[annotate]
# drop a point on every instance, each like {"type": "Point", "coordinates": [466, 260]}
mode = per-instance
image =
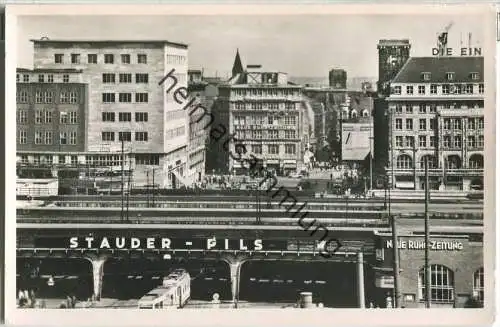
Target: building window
{"type": "Point", "coordinates": [75, 58]}
{"type": "Point", "coordinates": [50, 78]}
{"type": "Point", "coordinates": [73, 99]}
{"type": "Point", "coordinates": [109, 58]}
{"type": "Point", "coordinates": [442, 284]}
{"type": "Point", "coordinates": [469, 89]}
{"type": "Point", "coordinates": [453, 162]}
{"type": "Point", "coordinates": [63, 138]}
{"type": "Point", "coordinates": [457, 141]}
{"type": "Point", "coordinates": [38, 137]}
{"type": "Point", "coordinates": [399, 141]}
{"type": "Point", "coordinates": [65, 78]}
{"type": "Point", "coordinates": [125, 58]}
{"type": "Point", "coordinates": [63, 117]}
{"type": "Point", "coordinates": [73, 117]}
{"type": "Point", "coordinates": [257, 149]}
{"type": "Point", "coordinates": [409, 124]}
{"type": "Point", "coordinates": [22, 116]}
{"type": "Point", "coordinates": [48, 117]}
{"type": "Point", "coordinates": [124, 116]}
{"type": "Point", "coordinates": [141, 78]}
{"type": "Point", "coordinates": [447, 141]}
{"type": "Point", "coordinates": [108, 136]}
{"type": "Point", "coordinates": [108, 78]}
{"type": "Point", "coordinates": [480, 141]}
{"type": "Point", "coordinates": [409, 89]}
{"type": "Point", "coordinates": [41, 78]}
{"type": "Point", "coordinates": [58, 58]}
{"type": "Point", "coordinates": [446, 89]}
{"type": "Point", "coordinates": [141, 97]}
{"type": "Point", "coordinates": [422, 124]}
{"type": "Point", "coordinates": [471, 123]}
{"type": "Point", "coordinates": [125, 78]}
{"type": "Point", "coordinates": [273, 149]}
{"type": "Point", "coordinates": [289, 134]}
{"type": "Point", "coordinates": [23, 137]}
{"type": "Point", "coordinates": [404, 162]}
{"type": "Point", "coordinates": [108, 97]}
{"type": "Point", "coordinates": [409, 108]}
{"type": "Point", "coordinates": [38, 117]}
{"type": "Point", "coordinates": [432, 141]}
{"type": "Point", "coordinates": [290, 149]}
{"type": "Point", "coordinates": [447, 123]}
{"type": "Point", "coordinates": [421, 89]}
{"type": "Point", "coordinates": [26, 78]}
{"type": "Point", "coordinates": [432, 123]}
{"type": "Point", "coordinates": [480, 123]}
{"type": "Point", "coordinates": [147, 159]}
{"type": "Point", "coordinates": [124, 136]}
{"type": "Point", "coordinates": [432, 108]}
{"type": "Point", "coordinates": [426, 76]}
{"type": "Point", "coordinates": [450, 76]}
{"type": "Point", "coordinates": [399, 123]}
{"type": "Point", "coordinates": [457, 123]}
{"type": "Point", "coordinates": [48, 137]}
{"type": "Point", "coordinates": [434, 89]}
{"type": "Point", "coordinates": [92, 58]}
{"type": "Point", "coordinates": [72, 138]}
{"type": "Point", "coordinates": [397, 90]}
{"type": "Point", "coordinates": [108, 116]}
{"type": "Point", "coordinates": [422, 141]}
{"type": "Point", "coordinates": [481, 88]}
{"type": "Point", "coordinates": [38, 97]}
{"type": "Point", "coordinates": [18, 78]}
{"type": "Point", "coordinates": [431, 161]}
{"type": "Point", "coordinates": [475, 76]}
{"type": "Point", "coordinates": [471, 141]}
{"type": "Point", "coordinates": [142, 59]}
{"type": "Point", "coordinates": [422, 108]}
{"type": "Point", "coordinates": [74, 160]}
{"type": "Point", "coordinates": [273, 134]}
{"type": "Point", "coordinates": [125, 97]}
{"type": "Point", "coordinates": [476, 161]}
{"type": "Point", "coordinates": [141, 116]}
{"type": "Point", "coordinates": [22, 97]}
{"type": "Point", "coordinates": [141, 136]}
{"type": "Point", "coordinates": [399, 108]}
{"type": "Point", "coordinates": [409, 141]}
{"type": "Point", "coordinates": [478, 284]}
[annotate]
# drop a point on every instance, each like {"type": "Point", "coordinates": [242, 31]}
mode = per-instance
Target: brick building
{"type": "Point", "coordinates": [436, 115]}
{"type": "Point", "coordinates": [126, 104]}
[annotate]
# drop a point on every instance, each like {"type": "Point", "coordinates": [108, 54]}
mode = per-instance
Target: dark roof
{"type": "Point", "coordinates": [47, 40]}
{"type": "Point", "coordinates": [462, 67]}
{"type": "Point", "coordinates": [49, 70]}
{"type": "Point", "coordinates": [390, 42]}
{"type": "Point", "coordinates": [237, 65]}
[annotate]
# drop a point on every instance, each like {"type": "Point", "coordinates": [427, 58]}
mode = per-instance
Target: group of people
{"type": "Point", "coordinates": [69, 303]}
{"type": "Point", "coordinates": [27, 299]}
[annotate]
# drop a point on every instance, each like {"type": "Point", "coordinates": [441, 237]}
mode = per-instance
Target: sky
{"type": "Point", "coordinates": [300, 45]}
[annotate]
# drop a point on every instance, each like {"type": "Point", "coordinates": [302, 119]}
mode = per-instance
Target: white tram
{"type": "Point", "coordinates": [172, 294]}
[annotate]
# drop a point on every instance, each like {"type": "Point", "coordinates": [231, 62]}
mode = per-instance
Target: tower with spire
{"type": "Point", "coordinates": [237, 66]}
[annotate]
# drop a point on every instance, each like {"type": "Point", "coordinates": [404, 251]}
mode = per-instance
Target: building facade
{"type": "Point", "coordinates": [129, 111]}
{"type": "Point", "coordinates": [437, 116]}
{"type": "Point", "coordinates": [392, 55]}
{"type": "Point", "coordinates": [266, 113]}
{"type": "Point", "coordinates": [337, 79]}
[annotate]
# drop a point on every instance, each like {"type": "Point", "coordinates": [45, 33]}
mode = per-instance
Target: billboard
{"type": "Point", "coordinates": [357, 140]}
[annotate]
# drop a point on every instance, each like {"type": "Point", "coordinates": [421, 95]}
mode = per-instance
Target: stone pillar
{"type": "Point", "coordinates": [234, 269]}
{"type": "Point", "coordinates": [97, 274]}
{"type": "Point", "coordinates": [361, 280]}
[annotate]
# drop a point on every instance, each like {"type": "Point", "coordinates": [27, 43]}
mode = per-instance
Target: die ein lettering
{"type": "Point", "coordinates": [158, 243]}
{"type": "Point", "coordinates": [434, 245]}
{"type": "Point", "coordinates": [463, 52]}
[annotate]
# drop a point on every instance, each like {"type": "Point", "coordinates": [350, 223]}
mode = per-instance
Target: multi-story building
{"type": "Point", "coordinates": [337, 78]}
{"type": "Point", "coordinates": [437, 115]}
{"type": "Point", "coordinates": [265, 113]}
{"type": "Point", "coordinates": [392, 55]}
{"type": "Point", "coordinates": [126, 104]}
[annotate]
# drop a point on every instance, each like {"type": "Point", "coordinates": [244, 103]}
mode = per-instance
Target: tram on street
{"type": "Point", "coordinates": [174, 292]}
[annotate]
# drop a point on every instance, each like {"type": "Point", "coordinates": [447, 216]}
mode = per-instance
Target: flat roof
{"type": "Point", "coordinates": [49, 70]}
{"type": "Point", "coordinates": [47, 40]}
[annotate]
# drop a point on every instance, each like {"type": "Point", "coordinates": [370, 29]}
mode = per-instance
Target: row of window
{"type": "Point", "coordinates": [258, 134]}
{"type": "Point", "coordinates": [175, 59]}
{"type": "Point", "coordinates": [443, 284]}
{"type": "Point", "coordinates": [42, 79]}
{"type": "Point", "coordinates": [46, 117]}
{"type": "Point", "coordinates": [448, 141]}
{"type": "Point", "coordinates": [448, 123]}
{"type": "Point", "coordinates": [124, 97]}
{"type": "Point", "coordinates": [405, 161]}
{"type": "Point", "coordinates": [92, 58]}
{"type": "Point", "coordinates": [124, 116]}
{"type": "Point", "coordinates": [125, 78]}
{"type": "Point", "coordinates": [65, 97]}
{"type": "Point", "coordinates": [429, 108]}
{"type": "Point", "coordinates": [265, 92]}
{"type": "Point", "coordinates": [445, 89]}
{"type": "Point", "coordinates": [273, 149]}
{"type": "Point", "coordinates": [94, 160]}
{"type": "Point", "coordinates": [175, 132]}
{"type": "Point", "coordinates": [47, 137]}
{"type": "Point", "coordinates": [265, 105]}
{"type": "Point", "coordinates": [263, 120]}
{"type": "Point", "coordinates": [450, 76]}
{"type": "Point", "coordinates": [124, 136]}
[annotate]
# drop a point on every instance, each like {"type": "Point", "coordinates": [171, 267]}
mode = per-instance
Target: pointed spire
{"type": "Point", "coordinates": [237, 66]}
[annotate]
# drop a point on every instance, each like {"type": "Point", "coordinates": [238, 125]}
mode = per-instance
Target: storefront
{"type": "Point", "coordinates": [456, 264]}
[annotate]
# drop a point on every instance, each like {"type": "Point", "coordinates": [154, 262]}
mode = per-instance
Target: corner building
{"type": "Point", "coordinates": [126, 104]}
{"type": "Point", "coordinates": [436, 111]}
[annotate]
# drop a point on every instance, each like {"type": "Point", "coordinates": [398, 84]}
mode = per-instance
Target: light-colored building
{"type": "Point", "coordinates": [126, 103]}
{"type": "Point", "coordinates": [436, 112]}
{"type": "Point", "coordinates": [265, 113]}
